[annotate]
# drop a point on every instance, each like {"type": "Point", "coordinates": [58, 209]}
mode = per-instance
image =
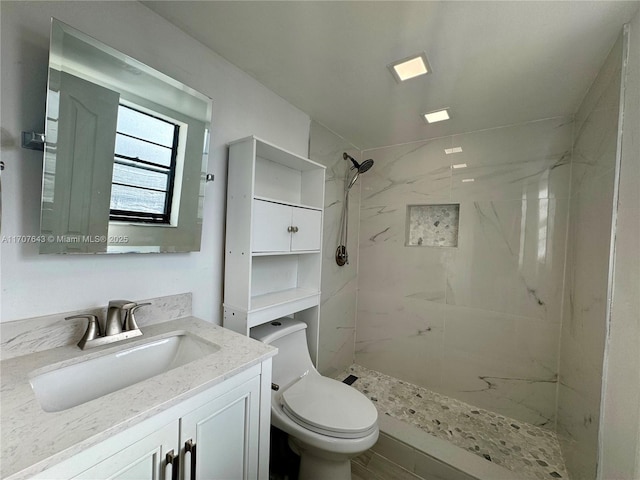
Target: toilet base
{"type": "Point", "coordinates": [320, 465]}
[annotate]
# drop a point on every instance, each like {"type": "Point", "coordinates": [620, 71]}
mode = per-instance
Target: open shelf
{"type": "Point", "coordinates": [284, 297]}
{"type": "Point", "coordinates": [291, 204]}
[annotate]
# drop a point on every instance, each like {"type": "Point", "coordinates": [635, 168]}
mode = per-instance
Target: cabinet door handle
{"type": "Point", "coordinates": [174, 460]}
{"type": "Point", "coordinates": [190, 447]}
{"type": "Point", "coordinates": [295, 229]}
{"type": "Point", "coordinates": [290, 229]}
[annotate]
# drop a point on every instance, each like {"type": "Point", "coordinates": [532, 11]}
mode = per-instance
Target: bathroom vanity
{"type": "Point", "coordinates": [208, 418]}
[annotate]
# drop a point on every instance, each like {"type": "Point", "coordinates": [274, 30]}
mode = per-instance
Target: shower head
{"type": "Point", "coordinates": [353, 180]}
{"type": "Point", "coordinates": [358, 167]}
{"type": "Point", "coordinates": [361, 167]}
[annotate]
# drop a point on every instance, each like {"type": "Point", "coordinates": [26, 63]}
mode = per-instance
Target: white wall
{"type": "Point", "coordinates": [34, 284]}
{"type": "Point", "coordinates": [620, 431]}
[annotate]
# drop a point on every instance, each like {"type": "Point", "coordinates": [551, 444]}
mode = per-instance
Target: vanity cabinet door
{"type": "Point", "coordinates": [282, 228]}
{"type": "Point", "coordinates": [271, 222]}
{"type": "Point", "coordinates": [308, 234]}
{"type": "Point", "coordinates": [225, 433]}
{"type": "Point", "coordinates": [142, 460]}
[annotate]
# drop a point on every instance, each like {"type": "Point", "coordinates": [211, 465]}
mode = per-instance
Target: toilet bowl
{"type": "Point", "coordinates": [327, 422]}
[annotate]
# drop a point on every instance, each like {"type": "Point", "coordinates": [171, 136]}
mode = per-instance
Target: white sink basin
{"type": "Point", "coordinates": [73, 385]}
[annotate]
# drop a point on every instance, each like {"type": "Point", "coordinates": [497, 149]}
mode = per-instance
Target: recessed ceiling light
{"type": "Point", "coordinates": [449, 151]}
{"type": "Point", "coordinates": [459, 165]}
{"type": "Point", "coordinates": [437, 116]}
{"type": "Point", "coordinates": [466, 180]}
{"type": "Point", "coordinates": [410, 67]}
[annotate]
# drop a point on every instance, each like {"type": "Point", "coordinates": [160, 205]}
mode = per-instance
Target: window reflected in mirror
{"type": "Point", "coordinates": [144, 167]}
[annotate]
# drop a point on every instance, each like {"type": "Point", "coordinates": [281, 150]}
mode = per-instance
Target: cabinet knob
{"type": "Point", "coordinates": [295, 229]}
{"type": "Point", "coordinates": [290, 229]}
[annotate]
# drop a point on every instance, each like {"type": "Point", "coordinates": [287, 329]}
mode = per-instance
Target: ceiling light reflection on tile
{"type": "Point", "coordinates": [437, 116]}
{"type": "Point", "coordinates": [410, 67]}
{"type": "Point", "coordinates": [459, 165]}
{"type": "Point", "coordinates": [467, 180]}
{"type": "Point", "coordinates": [449, 151]}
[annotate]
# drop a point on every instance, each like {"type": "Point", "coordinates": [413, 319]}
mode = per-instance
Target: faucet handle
{"type": "Point", "coordinates": [130, 319]}
{"type": "Point", "coordinates": [93, 328]}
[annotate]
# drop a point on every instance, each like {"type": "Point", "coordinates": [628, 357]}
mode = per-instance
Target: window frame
{"type": "Point", "coordinates": [148, 217]}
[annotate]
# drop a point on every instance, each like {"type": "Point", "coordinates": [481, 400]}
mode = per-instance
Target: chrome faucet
{"type": "Point", "coordinates": [120, 324]}
{"type": "Point", "coordinates": [115, 311]}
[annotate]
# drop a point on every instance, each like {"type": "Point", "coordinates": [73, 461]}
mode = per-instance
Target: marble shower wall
{"type": "Point", "coordinates": [584, 324]}
{"type": "Point", "coordinates": [339, 284]}
{"type": "Point", "coordinates": [479, 322]}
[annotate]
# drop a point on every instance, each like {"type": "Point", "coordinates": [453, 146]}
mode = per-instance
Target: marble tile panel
{"type": "Point", "coordinates": [578, 425]}
{"type": "Point", "coordinates": [510, 257]}
{"type": "Point", "coordinates": [584, 332]}
{"type": "Point", "coordinates": [503, 362]}
{"type": "Point", "coordinates": [337, 330]}
{"type": "Point", "coordinates": [507, 163]}
{"type": "Point", "coordinates": [595, 136]}
{"type": "Point", "coordinates": [411, 173]}
{"type": "Point", "coordinates": [490, 387]}
{"type": "Point", "coordinates": [605, 83]}
{"type": "Point", "coordinates": [387, 265]}
{"type": "Point", "coordinates": [594, 154]}
{"type": "Point", "coordinates": [402, 338]}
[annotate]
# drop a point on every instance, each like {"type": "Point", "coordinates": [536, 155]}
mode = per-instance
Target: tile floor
{"type": "Point", "coordinates": [529, 451]}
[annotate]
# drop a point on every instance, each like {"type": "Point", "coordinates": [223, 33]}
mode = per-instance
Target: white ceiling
{"type": "Point", "coordinates": [494, 63]}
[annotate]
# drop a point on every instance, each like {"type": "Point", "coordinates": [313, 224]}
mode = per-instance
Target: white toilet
{"type": "Point", "coordinates": [328, 422]}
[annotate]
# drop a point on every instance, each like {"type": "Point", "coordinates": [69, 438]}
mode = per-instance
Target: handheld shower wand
{"type": "Point", "coordinates": [342, 256]}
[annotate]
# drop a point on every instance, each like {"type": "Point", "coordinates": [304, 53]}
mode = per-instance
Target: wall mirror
{"type": "Point", "coordinates": [125, 153]}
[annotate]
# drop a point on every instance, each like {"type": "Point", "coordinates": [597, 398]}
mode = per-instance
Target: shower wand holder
{"type": "Point", "coordinates": [342, 257]}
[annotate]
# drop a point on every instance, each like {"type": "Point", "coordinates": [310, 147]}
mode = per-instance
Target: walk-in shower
{"type": "Point", "coordinates": [342, 256]}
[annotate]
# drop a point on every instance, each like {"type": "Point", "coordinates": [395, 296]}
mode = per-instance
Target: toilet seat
{"type": "Point", "coordinates": [329, 407]}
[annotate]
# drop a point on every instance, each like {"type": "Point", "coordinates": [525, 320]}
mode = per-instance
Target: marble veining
{"type": "Point", "coordinates": [529, 451]}
{"type": "Point", "coordinates": [55, 436]}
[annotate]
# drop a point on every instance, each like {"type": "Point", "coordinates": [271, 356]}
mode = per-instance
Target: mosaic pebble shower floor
{"type": "Point", "coordinates": [530, 452]}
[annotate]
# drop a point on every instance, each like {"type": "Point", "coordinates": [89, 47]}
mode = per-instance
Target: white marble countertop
{"type": "Point", "coordinates": [33, 440]}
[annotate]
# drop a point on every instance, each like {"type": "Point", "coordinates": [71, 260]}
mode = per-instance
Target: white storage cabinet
{"type": "Point", "coordinates": [273, 255]}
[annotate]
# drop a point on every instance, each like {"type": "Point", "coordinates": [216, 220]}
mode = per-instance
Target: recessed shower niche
{"type": "Point", "coordinates": [432, 225]}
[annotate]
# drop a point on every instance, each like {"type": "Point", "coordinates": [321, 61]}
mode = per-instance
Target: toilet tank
{"type": "Point", "coordinates": [290, 338]}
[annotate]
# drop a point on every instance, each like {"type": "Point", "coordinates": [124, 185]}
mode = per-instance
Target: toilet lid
{"type": "Point", "coordinates": [329, 407]}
